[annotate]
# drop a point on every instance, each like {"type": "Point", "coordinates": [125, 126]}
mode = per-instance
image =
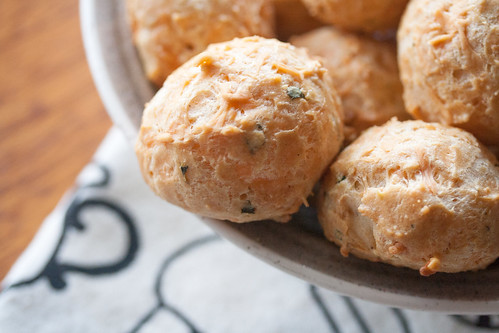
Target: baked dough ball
{"type": "Point", "coordinates": [414, 194]}
{"type": "Point", "coordinates": [449, 64]}
{"type": "Point", "coordinates": [241, 131]}
{"type": "Point", "coordinates": [167, 33]}
{"type": "Point", "coordinates": [292, 18]}
{"type": "Point", "coordinates": [358, 15]}
{"type": "Point", "coordinates": [364, 73]}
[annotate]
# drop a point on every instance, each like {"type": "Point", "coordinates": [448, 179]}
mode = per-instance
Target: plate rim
{"type": "Point", "coordinates": [228, 230]}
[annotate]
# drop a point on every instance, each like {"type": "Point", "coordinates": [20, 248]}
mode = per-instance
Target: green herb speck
{"type": "Point", "coordinates": [183, 169]}
{"type": "Point", "coordinates": [342, 178]}
{"type": "Point", "coordinates": [338, 234]}
{"type": "Point", "coordinates": [248, 208]}
{"type": "Point", "coordinates": [295, 92]}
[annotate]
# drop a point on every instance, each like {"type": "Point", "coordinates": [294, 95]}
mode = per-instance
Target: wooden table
{"type": "Point", "coordinates": [51, 118]}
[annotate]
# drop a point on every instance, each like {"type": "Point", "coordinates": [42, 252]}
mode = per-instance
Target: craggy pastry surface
{"type": "Point", "coordinates": [358, 15]}
{"type": "Point", "coordinates": [414, 194]}
{"type": "Point", "coordinates": [364, 73]}
{"type": "Point", "coordinates": [242, 131]}
{"type": "Point", "coordinates": [449, 62]}
{"type": "Point", "coordinates": [167, 33]}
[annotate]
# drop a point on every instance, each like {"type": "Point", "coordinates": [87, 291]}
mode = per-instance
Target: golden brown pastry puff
{"type": "Point", "coordinates": [449, 63]}
{"type": "Point", "coordinates": [167, 33]}
{"type": "Point", "coordinates": [364, 73]}
{"type": "Point", "coordinates": [414, 194]}
{"type": "Point", "coordinates": [241, 131]}
{"type": "Point", "coordinates": [358, 15]}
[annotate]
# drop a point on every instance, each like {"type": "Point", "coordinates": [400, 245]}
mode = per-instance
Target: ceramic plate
{"type": "Point", "coordinates": [297, 247]}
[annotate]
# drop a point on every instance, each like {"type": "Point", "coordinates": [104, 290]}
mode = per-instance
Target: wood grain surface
{"type": "Point", "coordinates": [51, 117]}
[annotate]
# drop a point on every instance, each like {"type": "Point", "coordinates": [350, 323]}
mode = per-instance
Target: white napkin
{"type": "Point", "coordinates": [112, 257]}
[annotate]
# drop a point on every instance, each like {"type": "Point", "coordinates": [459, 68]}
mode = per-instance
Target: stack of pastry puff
{"type": "Point", "coordinates": [388, 108]}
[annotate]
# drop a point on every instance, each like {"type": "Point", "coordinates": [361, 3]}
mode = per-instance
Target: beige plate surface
{"type": "Point", "coordinates": [297, 247]}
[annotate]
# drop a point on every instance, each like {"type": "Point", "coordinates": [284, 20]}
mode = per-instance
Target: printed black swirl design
{"type": "Point", "coordinates": [324, 310]}
{"type": "Point", "coordinates": [55, 270]}
{"type": "Point", "coordinates": [105, 178]}
{"type": "Point", "coordinates": [161, 302]}
{"type": "Point", "coordinates": [354, 310]}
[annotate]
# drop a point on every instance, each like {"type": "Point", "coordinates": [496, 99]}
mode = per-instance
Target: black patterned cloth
{"type": "Point", "coordinates": [112, 257]}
